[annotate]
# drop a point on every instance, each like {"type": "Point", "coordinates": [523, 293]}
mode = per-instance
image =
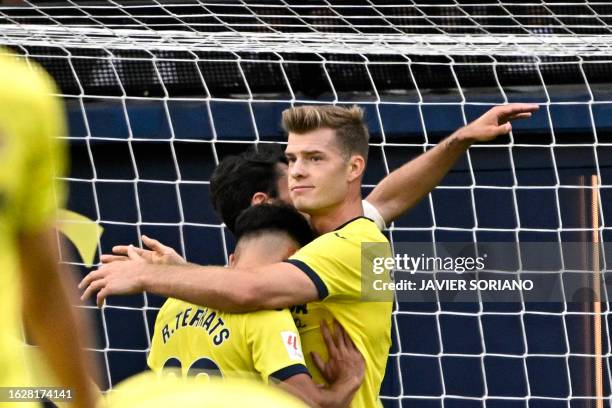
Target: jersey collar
{"type": "Point", "coordinates": [351, 220]}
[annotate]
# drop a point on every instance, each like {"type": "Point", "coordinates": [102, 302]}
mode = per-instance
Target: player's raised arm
{"type": "Point", "coordinates": [403, 188]}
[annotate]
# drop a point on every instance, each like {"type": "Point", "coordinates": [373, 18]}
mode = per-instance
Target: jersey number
{"type": "Point", "coordinates": [202, 367]}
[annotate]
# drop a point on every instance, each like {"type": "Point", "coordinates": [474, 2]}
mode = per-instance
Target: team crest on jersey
{"type": "Point", "coordinates": [291, 340]}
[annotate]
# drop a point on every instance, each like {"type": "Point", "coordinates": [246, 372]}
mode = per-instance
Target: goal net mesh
{"type": "Point", "coordinates": [157, 92]}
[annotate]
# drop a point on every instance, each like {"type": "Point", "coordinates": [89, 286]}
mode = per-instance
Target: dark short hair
{"type": "Point", "coordinates": [264, 218]}
{"type": "Point", "coordinates": [237, 178]}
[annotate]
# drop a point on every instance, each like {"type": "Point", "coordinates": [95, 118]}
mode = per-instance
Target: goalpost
{"type": "Point", "coordinates": [158, 91]}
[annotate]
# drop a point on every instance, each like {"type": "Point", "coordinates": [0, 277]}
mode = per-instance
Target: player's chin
{"type": "Point", "coordinates": [304, 205]}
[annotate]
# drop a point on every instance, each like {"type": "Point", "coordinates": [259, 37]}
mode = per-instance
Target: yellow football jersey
{"type": "Point", "coordinates": [149, 391]}
{"type": "Point", "coordinates": [198, 339]}
{"type": "Point", "coordinates": [31, 156]}
{"type": "Point", "coordinates": [333, 262]}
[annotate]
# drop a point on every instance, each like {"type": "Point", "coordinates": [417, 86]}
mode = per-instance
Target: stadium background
{"type": "Point", "coordinates": [145, 139]}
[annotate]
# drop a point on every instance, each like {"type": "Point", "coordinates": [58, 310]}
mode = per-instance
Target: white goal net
{"type": "Point", "coordinates": [158, 92]}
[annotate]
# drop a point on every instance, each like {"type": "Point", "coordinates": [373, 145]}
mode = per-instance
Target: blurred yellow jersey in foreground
{"type": "Point", "coordinates": [31, 155]}
{"type": "Point", "coordinates": [152, 391]}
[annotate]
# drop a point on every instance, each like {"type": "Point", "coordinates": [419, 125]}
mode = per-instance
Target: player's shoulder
{"type": "Point", "coordinates": [264, 324]}
{"type": "Point", "coordinates": [170, 306]}
{"type": "Point", "coordinates": [268, 316]}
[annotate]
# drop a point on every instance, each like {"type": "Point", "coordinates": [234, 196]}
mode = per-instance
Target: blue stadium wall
{"type": "Point", "coordinates": [421, 375]}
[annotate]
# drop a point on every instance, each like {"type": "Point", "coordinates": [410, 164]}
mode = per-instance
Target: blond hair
{"type": "Point", "coordinates": [351, 132]}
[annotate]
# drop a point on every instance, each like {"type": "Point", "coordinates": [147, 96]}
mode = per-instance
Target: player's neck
{"type": "Point", "coordinates": [260, 251]}
{"type": "Point", "coordinates": [253, 260]}
{"type": "Point", "coordinates": [336, 216]}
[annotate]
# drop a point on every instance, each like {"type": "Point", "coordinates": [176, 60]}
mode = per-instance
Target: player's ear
{"type": "Point", "coordinates": [292, 248]}
{"type": "Point", "coordinates": [232, 260]}
{"type": "Point", "coordinates": [259, 198]}
{"type": "Point", "coordinates": [356, 167]}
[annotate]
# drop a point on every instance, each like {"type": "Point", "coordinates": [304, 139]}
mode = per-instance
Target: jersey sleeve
{"type": "Point", "coordinates": [42, 194]}
{"type": "Point", "coordinates": [333, 263]}
{"type": "Point", "coordinates": [275, 344]}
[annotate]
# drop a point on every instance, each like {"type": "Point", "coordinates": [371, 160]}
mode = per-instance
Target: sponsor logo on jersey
{"type": "Point", "coordinates": [291, 340]}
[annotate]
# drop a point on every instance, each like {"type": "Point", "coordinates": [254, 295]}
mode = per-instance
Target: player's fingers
{"type": "Point", "coordinates": [153, 244]}
{"type": "Point", "coordinates": [101, 297]}
{"type": "Point", "coordinates": [90, 277]}
{"type": "Point", "coordinates": [106, 258]}
{"type": "Point", "coordinates": [123, 250]}
{"type": "Point", "coordinates": [505, 113]}
{"type": "Point", "coordinates": [505, 119]}
{"type": "Point", "coordinates": [339, 334]}
{"type": "Point", "coordinates": [335, 334]}
{"type": "Point", "coordinates": [93, 288]}
{"type": "Point", "coordinates": [329, 341]}
{"type": "Point", "coordinates": [524, 115]}
{"type": "Point", "coordinates": [503, 129]}
{"type": "Point", "coordinates": [515, 108]}
{"type": "Point", "coordinates": [120, 249]}
{"type": "Point", "coordinates": [318, 361]}
{"type": "Point", "coordinates": [348, 341]}
{"type": "Point", "coordinates": [133, 254]}
{"type": "Point", "coordinates": [139, 251]}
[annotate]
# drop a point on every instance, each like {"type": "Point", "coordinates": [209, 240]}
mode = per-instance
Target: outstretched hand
{"type": "Point", "coordinates": [116, 278]}
{"type": "Point", "coordinates": [157, 254]}
{"type": "Point", "coordinates": [496, 122]}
